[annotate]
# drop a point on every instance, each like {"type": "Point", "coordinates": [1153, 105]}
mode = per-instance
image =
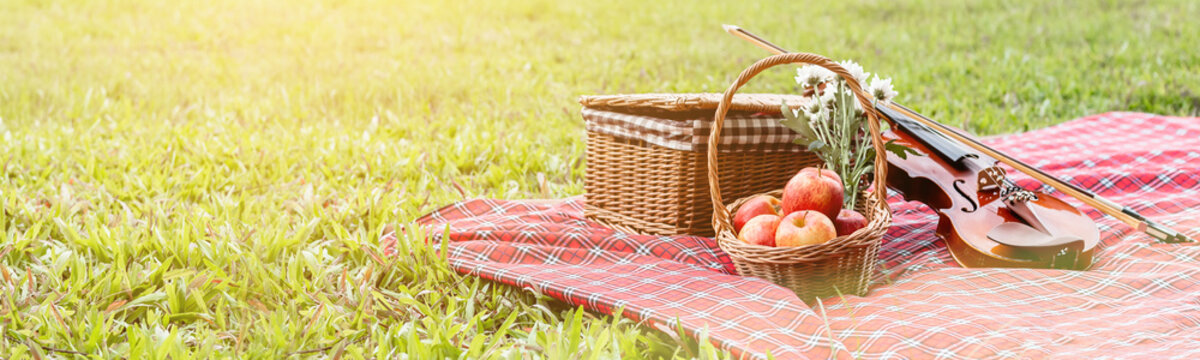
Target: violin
{"type": "Point", "coordinates": [986, 219]}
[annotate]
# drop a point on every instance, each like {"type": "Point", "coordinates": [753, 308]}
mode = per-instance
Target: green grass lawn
{"type": "Point", "coordinates": [211, 179]}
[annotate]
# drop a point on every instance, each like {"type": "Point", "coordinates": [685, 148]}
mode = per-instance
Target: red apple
{"type": "Point", "coordinates": [804, 227]}
{"type": "Point", "coordinates": [758, 205]}
{"type": "Point", "coordinates": [760, 230]}
{"type": "Point", "coordinates": [848, 221]}
{"type": "Point", "coordinates": [812, 189]}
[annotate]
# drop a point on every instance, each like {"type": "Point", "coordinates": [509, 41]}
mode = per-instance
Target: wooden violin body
{"type": "Point", "coordinates": [984, 219]}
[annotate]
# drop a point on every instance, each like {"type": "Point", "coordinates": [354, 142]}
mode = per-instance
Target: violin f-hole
{"type": "Point", "coordinates": [974, 205]}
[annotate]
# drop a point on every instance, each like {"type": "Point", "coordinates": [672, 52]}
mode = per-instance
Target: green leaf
{"type": "Point", "coordinates": [146, 300]}
{"type": "Point", "coordinates": [816, 145]}
{"type": "Point", "coordinates": [900, 150]}
{"type": "Point", "coordinates": [799, 124]}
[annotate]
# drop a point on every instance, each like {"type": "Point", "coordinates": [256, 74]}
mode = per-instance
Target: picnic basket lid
{"type": "Point", "coordinates": [764, 103]}
{"type": "Point", "coordinates": [682, 121]}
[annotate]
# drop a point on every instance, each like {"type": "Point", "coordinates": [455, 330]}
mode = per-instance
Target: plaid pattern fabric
{"type": "Point", "coordinates": [1141, 299]}
{"type": "Point", "coordinates": [757, 132]}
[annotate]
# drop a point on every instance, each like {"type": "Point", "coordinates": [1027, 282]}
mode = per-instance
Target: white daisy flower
{"type": "Point", "coordinates": [802, 76]}
{"type": "Point", "coordinates": [826, 74]}
{"type": "Point", "coordinates": [798, 112]}
{"type": "Point", "coordinates": [813, 106]}
{"type": "Point", "coordinates": [810, 75]}
{"type": "Point", "coordinates": [815, 112]}
{"type": "Point", "coordinates": [882, 90]}
{"type": "Point", "coordinates": [855, 70]}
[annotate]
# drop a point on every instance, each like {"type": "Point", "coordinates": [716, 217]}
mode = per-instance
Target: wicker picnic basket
{"type": "Point", "coordinates": [843, 265]}
{"type": "Point", "coordinates": [647, 167]}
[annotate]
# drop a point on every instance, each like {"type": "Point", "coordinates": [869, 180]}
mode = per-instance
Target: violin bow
{"type": "Point", "coordinates": [1123, 213]}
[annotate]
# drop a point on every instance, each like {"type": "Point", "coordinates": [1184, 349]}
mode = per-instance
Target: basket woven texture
{"type": "Point", "coordinates": [840, 266]}
{"type": "Point", "coordinates": [642, 188]}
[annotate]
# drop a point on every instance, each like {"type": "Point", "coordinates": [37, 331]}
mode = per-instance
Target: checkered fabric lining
{"type": "Point", "coordinates": [1140, 300]}
{"type": "Point", "coordinates": [758, 132]}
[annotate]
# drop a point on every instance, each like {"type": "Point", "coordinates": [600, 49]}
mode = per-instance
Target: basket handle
{"type": "Point", "coordinates": [720, 213]}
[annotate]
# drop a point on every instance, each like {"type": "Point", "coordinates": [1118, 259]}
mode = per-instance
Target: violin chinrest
{"type": "Point", "coordinates": [1024, 242]}
{"type": "Point", "coordinates": [1025, 236]}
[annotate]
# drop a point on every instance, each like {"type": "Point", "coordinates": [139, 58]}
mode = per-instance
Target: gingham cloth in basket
{"type": "Point", "coordinates": [742, 132]}
{"type": "Point", "coordinates": [1140, 300]}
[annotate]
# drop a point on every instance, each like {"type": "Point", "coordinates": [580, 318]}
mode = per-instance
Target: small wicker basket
{"type": "Point", "coordinates": [843, 265]}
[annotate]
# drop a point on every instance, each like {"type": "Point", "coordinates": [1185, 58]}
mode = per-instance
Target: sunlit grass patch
{"type": "Point", "coordinates": [212, 179]}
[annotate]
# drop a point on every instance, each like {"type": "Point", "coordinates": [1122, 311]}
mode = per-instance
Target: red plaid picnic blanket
{"type": "Point", "coordinates": [1141, 299]}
